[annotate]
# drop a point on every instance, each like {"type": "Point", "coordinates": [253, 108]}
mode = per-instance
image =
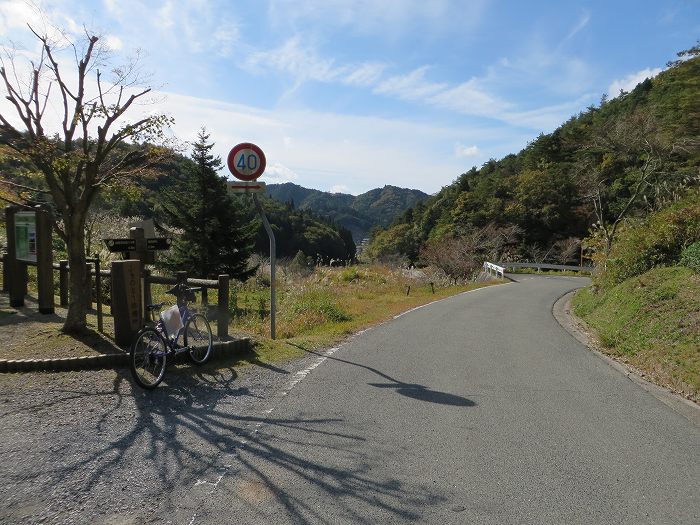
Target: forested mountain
{"type": "Point", "coordinates": [627, 156]}
{"type": "Point", "coordinates": [378, 207]}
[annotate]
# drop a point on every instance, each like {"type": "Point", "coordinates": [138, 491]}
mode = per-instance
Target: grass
{"type": "Point", "coordinates": [327, 306]}
{"type": "Point", "coordinates": [651, 322]}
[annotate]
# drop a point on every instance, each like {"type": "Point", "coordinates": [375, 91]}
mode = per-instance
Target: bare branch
{"type": "Point", "coordinates": [22, 186]}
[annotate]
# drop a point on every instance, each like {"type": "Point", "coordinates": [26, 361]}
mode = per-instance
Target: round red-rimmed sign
{"type": "Point", "coordinates": [246, 161]}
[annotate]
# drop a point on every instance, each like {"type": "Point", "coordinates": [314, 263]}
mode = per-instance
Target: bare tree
{"type": "Point", "coordinates": [630, 149]}
{"type": "Point", "coordinates": [88, 152]}
{"type": "Point", "coordinates": [537, 253]}
{"type": "Point", "coordinates": [567, 249]}
{"type": "Point", "coordinates": [462, 257]}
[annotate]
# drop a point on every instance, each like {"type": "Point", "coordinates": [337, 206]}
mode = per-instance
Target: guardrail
{"type": "Point", "coordinates": [496, 269]}
{"type": "Point", "coordinates": [546, 266]}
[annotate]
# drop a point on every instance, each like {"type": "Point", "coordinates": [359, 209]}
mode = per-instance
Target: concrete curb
{"type": "Point", "coordinates": [577, 328]}
{"type": "Point", "coordinates": [222, 350]}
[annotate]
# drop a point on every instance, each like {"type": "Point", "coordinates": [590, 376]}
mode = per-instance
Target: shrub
{"type": "Point", "coordinates": [307, 308]}
{"type": "Point", "coordinates": [656, 240]}
{"type": "Point", "coordinates": [690, 257]}
{"type": "Point", "coordinates": [350, 274]}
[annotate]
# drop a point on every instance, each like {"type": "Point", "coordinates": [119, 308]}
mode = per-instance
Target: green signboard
{"type": "Point", "coordinates": [25, 236]}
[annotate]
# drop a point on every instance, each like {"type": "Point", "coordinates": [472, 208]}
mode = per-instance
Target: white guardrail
{"type": "Point", "coordinates": [497, 270]}
{"type": "Point", "coordinates": [500, 268]}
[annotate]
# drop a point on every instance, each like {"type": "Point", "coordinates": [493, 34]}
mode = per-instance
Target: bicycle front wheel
{"type": "Point", "coordinates": [198, 338]}
{"type": "Point", "coordinates": [147, 358]}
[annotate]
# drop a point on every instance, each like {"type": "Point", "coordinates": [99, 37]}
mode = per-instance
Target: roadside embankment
{"type": "Point", "coordinates": [651, 323]}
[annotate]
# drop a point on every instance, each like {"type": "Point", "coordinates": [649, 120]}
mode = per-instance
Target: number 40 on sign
{"type": "Point", "coordinates": [246, 161]}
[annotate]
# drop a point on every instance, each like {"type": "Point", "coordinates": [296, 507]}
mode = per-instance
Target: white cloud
{"type": "Point", "coordinates": [470, 98]}
{"type": "Point", "coordinates": [16, 14]}
{"type": "Point", "coordinates": [412, 86]}
{"type": "Point", "coordinates": [304, 63]}
{"type": "Point", "coordinates": [114, 42]}
{"type": "Point", "coordinates": [386, 19]}
{"type": "Point", "coordinates": [629, 82]}
{"type": "Point", "coordinates": [462, 151]}
{"type": "Point", "coordinates": [329, 149]}
{"type": "Point", "coordinates": [339, 188]}
{"type": "Point", "coordinates": [293, 58]}
{"type": "Point", "coordinates": [365, 74]}
{"type": "Point", "coordinates": [278, 173]}
{"type": "Point", "coordinates": [226, 36]}
{"type": "Point", "coordinates": [165, 16]}
{"type": "Point", "coordinates": [582, 22]}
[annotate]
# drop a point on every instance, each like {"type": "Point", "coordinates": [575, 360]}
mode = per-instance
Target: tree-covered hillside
{"type": "Point", "coordinates": [627, 156]}
{"type": "Point", "coordinates": [375, 208]}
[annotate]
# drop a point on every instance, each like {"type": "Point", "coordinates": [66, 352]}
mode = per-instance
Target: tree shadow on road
{"type": "Point", "coordinates": [412, 390]}
{"type": "Point", "coordinates": [129, 445]}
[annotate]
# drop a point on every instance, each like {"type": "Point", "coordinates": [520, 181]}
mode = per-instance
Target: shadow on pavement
{"type": "Point", "coordinates": [128, 445]}
{"type": "Point", "coordinates": [414, 391]}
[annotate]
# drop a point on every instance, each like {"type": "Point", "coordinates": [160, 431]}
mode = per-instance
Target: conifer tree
{"type": "Point", "coordinates": [213, 238]}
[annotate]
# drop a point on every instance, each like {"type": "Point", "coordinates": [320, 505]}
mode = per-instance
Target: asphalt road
{"type": "Point", "coordinates": [475, 409]}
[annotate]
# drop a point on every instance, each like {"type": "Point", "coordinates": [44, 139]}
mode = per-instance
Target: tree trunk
{"type": "Point", "coordinates": [79, 281]}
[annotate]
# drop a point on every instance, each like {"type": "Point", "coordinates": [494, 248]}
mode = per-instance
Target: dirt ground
{"type": "Point", "coordinates": [27, 334]}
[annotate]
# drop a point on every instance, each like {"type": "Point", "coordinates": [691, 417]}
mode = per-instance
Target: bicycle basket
{"type": "Point", "coordinates": [172, 320]}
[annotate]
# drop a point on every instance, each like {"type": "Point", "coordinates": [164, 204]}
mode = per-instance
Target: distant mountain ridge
{"type": "Point", "coordinates": [377, 207]}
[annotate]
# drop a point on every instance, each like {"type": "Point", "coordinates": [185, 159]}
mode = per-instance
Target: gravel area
{"type": "Point", "coordinates": [91, 447]}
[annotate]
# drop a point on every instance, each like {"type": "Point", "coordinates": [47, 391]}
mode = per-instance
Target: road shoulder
{"type": "Point", "coordinates": [578, 329]}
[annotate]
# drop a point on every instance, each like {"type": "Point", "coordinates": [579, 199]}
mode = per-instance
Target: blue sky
{"type": "Point", "coordinates": [351, 95]}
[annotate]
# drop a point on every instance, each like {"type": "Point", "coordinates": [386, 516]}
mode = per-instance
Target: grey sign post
{"type": "Point", "coordinates": [273, 264]}
{"type": "Point", "coordinates": [247, 162]}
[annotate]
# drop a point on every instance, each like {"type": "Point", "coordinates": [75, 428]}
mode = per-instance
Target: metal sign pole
{"type": "Point", "coordinates": [273, 264]}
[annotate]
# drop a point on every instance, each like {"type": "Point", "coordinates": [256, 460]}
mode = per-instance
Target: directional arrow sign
{"type": "Point", "coordinates": [245, 186]}
{"type": "Point", "coordinates": [158, 243]}
{"type": "Point", "coordinates": [120, 245]}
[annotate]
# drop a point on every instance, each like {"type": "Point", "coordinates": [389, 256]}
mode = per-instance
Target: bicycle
{"type": "Point", "coordinates": [153, 346]}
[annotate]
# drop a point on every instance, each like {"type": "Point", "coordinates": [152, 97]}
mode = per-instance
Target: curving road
{"type": "Point", "coordinates": [475, 409]}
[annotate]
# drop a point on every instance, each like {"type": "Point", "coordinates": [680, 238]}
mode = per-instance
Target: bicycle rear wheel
{"type": "Point", "coordinates": [147, 358]}
{"type": "Point", "coordinates": [198, 337]}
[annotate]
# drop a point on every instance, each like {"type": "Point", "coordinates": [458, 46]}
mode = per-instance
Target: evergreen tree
{"type": "Point", "coordinates": [213, 239]}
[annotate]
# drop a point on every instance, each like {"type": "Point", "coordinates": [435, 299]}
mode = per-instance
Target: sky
{"type": "Point", "coordinates": [350, 95]}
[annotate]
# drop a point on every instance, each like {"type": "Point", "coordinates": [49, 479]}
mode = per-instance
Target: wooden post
{"type": "Point", "coordinates": [222, 313]}
{"type": "Point", "coordinates": [63, 282]}
{"type": "Point", "coordinates": [98, 292]}
{"type": "Point", "coordinates": [182, 281]}
{"type": "Point", "coordinates": [89, 263]}
{"type": "Point", "coordinates": [44, 259]}
{"type": "Point", "coordinates": [4, 272]}
{"type": "Point", "coordinates": [126, 300]}
{"type": "Point", "coordinates": [205, 295]}
{"type": "Point", "coordinates": [140, 253]}
{"type": "Point", "coordinates": [16, 272]}
{"type": "Point", "coordinates": [147, 294]}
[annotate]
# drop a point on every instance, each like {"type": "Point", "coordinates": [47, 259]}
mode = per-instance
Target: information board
{"type": "Point", "coordinates": [25, 236]}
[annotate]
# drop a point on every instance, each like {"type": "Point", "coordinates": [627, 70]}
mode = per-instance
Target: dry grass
{"type": "Point", "coordinates": [325, 307]}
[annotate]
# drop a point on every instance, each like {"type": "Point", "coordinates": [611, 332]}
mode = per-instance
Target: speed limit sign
{"type": "Point", "coordinates": [246, 161]}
